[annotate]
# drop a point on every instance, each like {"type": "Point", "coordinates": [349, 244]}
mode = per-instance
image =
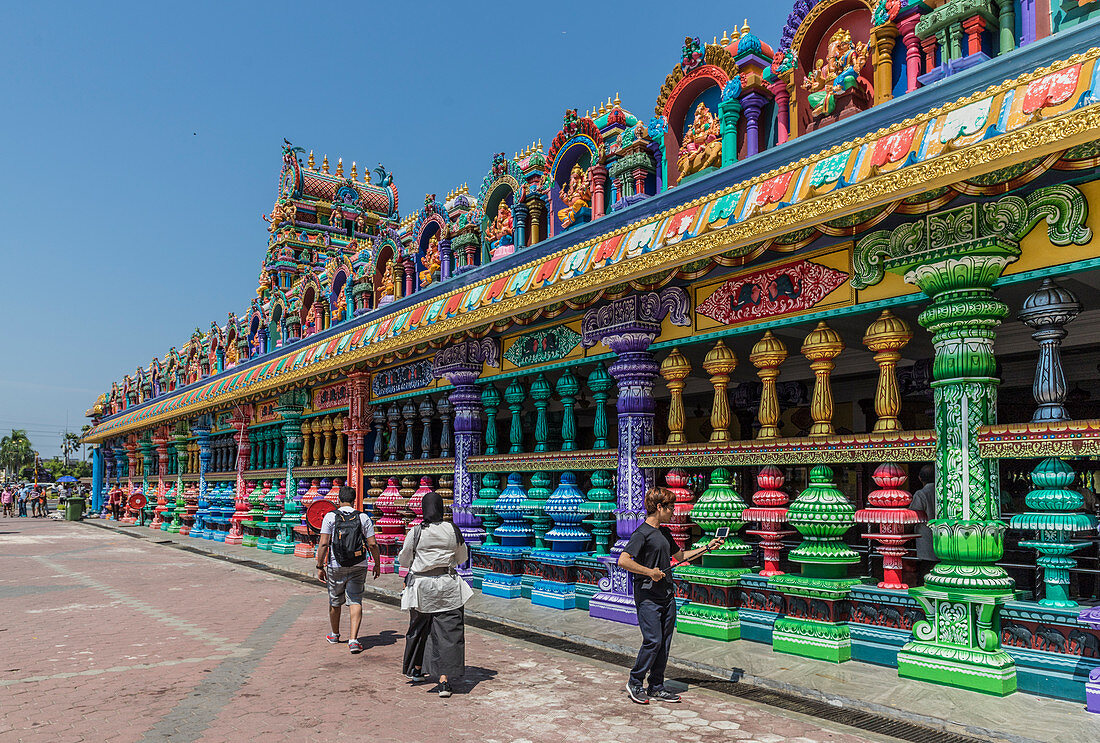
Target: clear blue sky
{"type": "Point", "coordinates": [141, 144]}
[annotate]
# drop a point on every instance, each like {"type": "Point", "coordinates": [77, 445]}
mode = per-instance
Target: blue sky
{"type": "Point", "coordinates": [141, 144]}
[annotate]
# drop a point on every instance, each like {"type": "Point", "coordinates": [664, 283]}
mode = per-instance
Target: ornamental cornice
{"type": "Point", "coordinates": [1035, 139]}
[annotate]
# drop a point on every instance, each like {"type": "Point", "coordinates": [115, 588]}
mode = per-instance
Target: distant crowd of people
{"type": "Point", "coordinates": [30, 501]}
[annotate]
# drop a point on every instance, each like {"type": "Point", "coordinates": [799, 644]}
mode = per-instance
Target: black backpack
{"type": "Point", "coordinates": [348, 546]}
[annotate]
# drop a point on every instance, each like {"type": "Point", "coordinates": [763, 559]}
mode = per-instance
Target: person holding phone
{"type": "Point", "coordinates": [649, 554]}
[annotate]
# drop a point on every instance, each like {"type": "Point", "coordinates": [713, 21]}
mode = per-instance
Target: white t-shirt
{"type": "Point", "coordinates": [328, 525]}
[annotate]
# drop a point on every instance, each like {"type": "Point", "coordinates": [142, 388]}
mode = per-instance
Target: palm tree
{"type": "Point", "coordinates": [70, 442]}
{"type": "Point", "coordinates": [15, 451]}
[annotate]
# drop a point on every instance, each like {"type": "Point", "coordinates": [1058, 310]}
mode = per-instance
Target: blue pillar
{"type": "Point", "coordinates": [97, 479]}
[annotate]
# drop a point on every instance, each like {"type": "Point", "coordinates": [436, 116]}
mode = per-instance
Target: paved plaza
{"type": "Point", "coordinates": [109, 638]}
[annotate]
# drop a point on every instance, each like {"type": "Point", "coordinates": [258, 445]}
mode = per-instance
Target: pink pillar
{"type": "Point", "coordinates": [782, 110]}
{"type": "Point", "coordinates": [410, 278]}
{"type": "Point", "coordinates": [598, 174]}
{"type": "Point", "coordinates": [908, 30]}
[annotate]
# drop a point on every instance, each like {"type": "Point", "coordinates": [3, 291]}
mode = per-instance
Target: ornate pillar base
{"type": "Point", "coordinates": [615, 601]}
{"type": "Point", "coordinates": [711, 610]}
{"type": "Point", "coordinates": [951, 646]}
{"type": "Point", "coordinates": [816, 622]}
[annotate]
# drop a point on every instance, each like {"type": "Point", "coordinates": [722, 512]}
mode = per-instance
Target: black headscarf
{"type": "Point", "coordinates": [433, 513]}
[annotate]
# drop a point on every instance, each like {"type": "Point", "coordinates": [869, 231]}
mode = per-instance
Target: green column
{"type": "Point", "coordinates": [290, 409]}
{"type": "Point", "coordinates": [179, 441]}
{"type": "Point", "coordinates": [954, 256]}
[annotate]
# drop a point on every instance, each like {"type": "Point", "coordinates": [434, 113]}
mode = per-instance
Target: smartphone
{"type": "Point", "coordinates": [722, 532]}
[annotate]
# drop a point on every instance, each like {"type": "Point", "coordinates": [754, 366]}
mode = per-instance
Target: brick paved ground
{"type": "Point", "coordinates": [106, 638]}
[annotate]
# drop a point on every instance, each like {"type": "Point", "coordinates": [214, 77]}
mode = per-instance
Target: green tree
{"type": "Point", "coordinates": [15, 451]}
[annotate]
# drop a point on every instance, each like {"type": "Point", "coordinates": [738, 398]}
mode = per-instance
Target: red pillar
{"type": "Point", "coordinates": [356, 425]}
{"type": "Point", "coordinates": [782, 110]}
{"type": "Point", "coordinates": [928, 45]}
{"type": "Point", "coordinates": [160, 441]}
{"type": "Point", "coordinates": [973, 27]}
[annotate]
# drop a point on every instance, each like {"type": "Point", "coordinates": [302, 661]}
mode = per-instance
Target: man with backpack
{"type": "Point", "coordinates": [346, 537]}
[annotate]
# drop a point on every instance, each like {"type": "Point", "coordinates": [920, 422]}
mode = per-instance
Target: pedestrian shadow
{"type": "Point", "coordinates": [474, 676]}
{"type": "Point", "coordinates": [383, 638]}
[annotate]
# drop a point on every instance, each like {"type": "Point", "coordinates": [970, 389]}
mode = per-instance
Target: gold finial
{"type": "Point", "coordinates": [735, 36]}
{"type": "Point", "coordinates": [354, 172]}
{"type": "Point", "coordinates": [715, 42]}
{"type": "Point", "coordinates": [618, 103]}
{"type": "Point", "coordinates": [725, 39]}
{"type": "Point", "coordinates": [324, 164]}
{"type": "Point", "coordinates": [340, 166]}
{"type": "Point", "coordinates": [540, 143]}
{"type": "Point", "coordinates": [602, 109]}
{"type": "Point", "coordinates": [310, 161]}
{"type": "Point", "coordinates": [366, 175]}
{"type": "Point", "coordinates": [745, 27]}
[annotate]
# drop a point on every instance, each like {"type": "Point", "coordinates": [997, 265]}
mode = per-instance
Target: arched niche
{"type": "Point", "coordinates": [426, 253]}
{"type": "Point", "coordinates": [702, 85]}
{"type": "Point", "coordinates": [275, 328]}
{"type": "Point", "coordinates": [582, 152]}
{"type": "Point", "coordinates": [499, 223]}
{"type": "Point", "coordinates": [383, 280]}
{"type": "Point", "coordinates": [812, 42]}
{"type": "Point", "coordinates": [336, 300]}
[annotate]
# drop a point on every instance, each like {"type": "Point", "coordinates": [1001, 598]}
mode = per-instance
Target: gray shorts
{"type": "Point", "coordinates": [350, 581]}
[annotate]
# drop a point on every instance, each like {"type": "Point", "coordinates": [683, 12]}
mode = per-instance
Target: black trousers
{"type": "Point", "coordinates": [657, 621]}
{"type": "Point", "coordinates": [442, 638]}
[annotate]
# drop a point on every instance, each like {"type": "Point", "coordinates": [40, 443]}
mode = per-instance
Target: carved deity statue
{"type": "Point", "coordinates": [341, 307]}
{"type": "Point", "coordinates": [231, 354]}
{"type": "Point", "coordinates": [388, 279]}
{"type": "Point", "coordinates": [501, 226]}
{"type": "Point", "coordinates": [577, 196]}
{"type": "Point", "coordinates": [837, 73]}
{"type": "Point", "coordinates": [431, 261]}
{"type": "Point", "coordinates": [702, 145]}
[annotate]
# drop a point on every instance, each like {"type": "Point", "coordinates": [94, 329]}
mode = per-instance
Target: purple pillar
{"type": "Point", "coordinates": [446, 259]}
{"type": "Point", "coordinates": [461, 365]}
{"type": "Point", "coordinates": [628, 326]}
{"type": "Point", "coordinates": [752, 104]}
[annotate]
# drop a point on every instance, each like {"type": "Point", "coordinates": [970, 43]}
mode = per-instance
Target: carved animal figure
{"type": "Point", "coordinates": [797, 606]}
{"type": "Point", "coordinates": [784, 286]}
{"type": "Point", "coordinates": [819, 610]}
{"type": "Point", "coordinates": [1016, 635]}
{"type": "Point", "coordinates": [865, 614]}
{"type": "Point", "coordinates": [1084, 643]}
{"type": "Point", "coordinates": [889, 617]}
{"type": "Point", "coordinates": [749, 293]}
{"type": "Point", "coordinates": [1048, 638]}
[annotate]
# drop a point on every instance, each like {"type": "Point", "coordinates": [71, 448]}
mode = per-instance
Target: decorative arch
{"type": "Point", "coordinates": [502, 185]}
{"type": "Point", "coordinates": [579, 143]}
{"type": "Point", "coordinates": [812, 41]}
{"type": "Point", "coordinates": [700, 77]}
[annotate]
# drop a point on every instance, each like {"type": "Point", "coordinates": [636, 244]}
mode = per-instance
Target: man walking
{"type": "Point", "coordinates": [648, 554]}
{"type": "Point", "coordinates": [23, 501]}
{"type": "Point", "coordinates": [346, 537]}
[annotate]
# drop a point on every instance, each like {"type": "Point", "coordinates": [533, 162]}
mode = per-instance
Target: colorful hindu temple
{"type": "Point", "coordinates": [818, 265]}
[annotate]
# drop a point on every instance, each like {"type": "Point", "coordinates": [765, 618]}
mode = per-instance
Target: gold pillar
{"type": "Point", "coordinates": [341, 439]}
{"type": "Point", "coordinates": [719, 362]}
{"type": "Point", "coordinates": [326, 428]}
{"type": "Point", "coordinates": [821, 347]}
{"type": "Point", "coordinates": [305, 443]}
{"type": "Point", "coordinates": [767, 355]}
{"type": "Point", "coordinates": [886, 337]}
{"type": "Point", "coordinates": [675, 369]}
{"type": "Point", "coordinates": [318, 442]}
{"type": "Point", "coordinates": [882, 49]}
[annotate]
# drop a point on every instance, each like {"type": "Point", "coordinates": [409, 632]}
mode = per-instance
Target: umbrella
{"type": "Point", "coordinates": [66, 478]}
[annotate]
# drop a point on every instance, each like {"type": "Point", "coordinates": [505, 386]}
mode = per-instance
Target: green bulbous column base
{"type": "Point", "coordinates": [807, 638]}
{"type": "Point", "coordinates": [710, 620]}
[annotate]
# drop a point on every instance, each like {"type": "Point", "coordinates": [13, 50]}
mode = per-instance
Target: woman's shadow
{"type": "Point", "coordinates": [474, 676]}
{"type": "Point", "coordinates": [385, 637]}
